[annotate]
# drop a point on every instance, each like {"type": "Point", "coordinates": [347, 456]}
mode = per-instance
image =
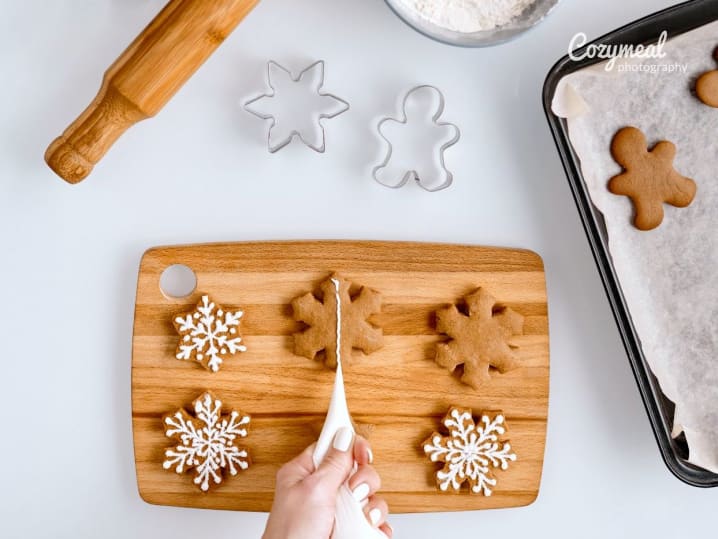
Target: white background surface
{"type": "Point", "coordinates": [200, 172]}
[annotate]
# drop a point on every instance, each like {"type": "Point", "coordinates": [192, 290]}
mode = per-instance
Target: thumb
{"type": "Point", "coordinates": [339, 460]}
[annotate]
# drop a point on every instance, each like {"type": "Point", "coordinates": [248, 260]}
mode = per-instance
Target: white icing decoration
{"type": "Point", "coordinates": [209, 334]}
{"type": "Point", "coordinates": [209, 448]}
{"type": "Point", "coordinates": [338, 297]}
{"type": "Point", "coordinates": [349, 519]}
{"type": "Point", "coordinates": [470, 451]}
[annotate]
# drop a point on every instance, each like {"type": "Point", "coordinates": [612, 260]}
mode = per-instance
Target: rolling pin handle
{"type": "Point", "coordinates": [74, 153]}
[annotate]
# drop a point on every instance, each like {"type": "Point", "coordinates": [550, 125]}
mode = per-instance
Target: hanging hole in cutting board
{"type": "Point", "coordinates": [178, 281]}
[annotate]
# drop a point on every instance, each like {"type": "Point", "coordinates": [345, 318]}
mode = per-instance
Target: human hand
{"type": "Point", "coordinates": [305, 497]}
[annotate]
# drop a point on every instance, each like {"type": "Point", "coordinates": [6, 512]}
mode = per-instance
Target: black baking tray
{"type": "Point", "coordinates": [674, 20]}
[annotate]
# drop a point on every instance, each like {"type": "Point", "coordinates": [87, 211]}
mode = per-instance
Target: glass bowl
{"type": "Point", "coordinates": [533, 15]}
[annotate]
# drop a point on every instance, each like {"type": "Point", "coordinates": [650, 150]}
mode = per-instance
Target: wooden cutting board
{"type": "Point", "coordinates": [397, 395]}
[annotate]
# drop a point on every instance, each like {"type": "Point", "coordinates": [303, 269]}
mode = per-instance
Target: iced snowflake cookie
{"type": "Point", "coordinates": [648, 177]}
{"type": "Point", "coordinates": [469, 452]}
{"type": "Point", "coordinates": [206, 442]}
{"type": "Point", "coordinates": [209, 334]}
{"type": "Point", "coordinates": [320, 314]}
{"type": "Point", "coordinates": [480, 338]}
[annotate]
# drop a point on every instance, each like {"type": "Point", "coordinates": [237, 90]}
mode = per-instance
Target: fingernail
{"type": "Point", "coordinates": [375, 516]}
{"type": "Point", "coordinates": [370, 455]}
{"type": "Point", "coordinates": [343, 439]}
{"type": "Point", "coordinates": [361, 492]}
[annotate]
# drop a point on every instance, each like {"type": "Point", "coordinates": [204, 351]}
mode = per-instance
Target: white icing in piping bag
{"type": "Point", "coordinates": [349, 520]}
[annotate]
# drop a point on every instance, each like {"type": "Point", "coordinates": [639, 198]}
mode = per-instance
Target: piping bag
{"type": "Point", "coordinates": [349, 519]}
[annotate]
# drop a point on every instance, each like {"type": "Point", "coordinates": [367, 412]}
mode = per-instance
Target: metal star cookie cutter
{"type": "Point", "coordinates": [449, 177]}
{"type": "Point", "coordinates": [320, 148]}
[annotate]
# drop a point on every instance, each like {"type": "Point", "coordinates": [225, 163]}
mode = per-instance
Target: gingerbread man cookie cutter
{"type": "Point", "coordinates": [404, 121]}
{"type": "Point", "coordinates": [319, 146]}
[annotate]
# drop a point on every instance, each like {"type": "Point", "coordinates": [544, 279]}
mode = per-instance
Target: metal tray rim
{"type": "Point", "coordinates": [676, 20]}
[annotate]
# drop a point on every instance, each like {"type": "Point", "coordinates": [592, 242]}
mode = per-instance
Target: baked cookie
{"type": "Point", "coordinates": [707, 85]}
{"type": "Point", "coordinates": [209, 334]}
{"type": "Point", "coordinates": [320, 314]}
{"type": "Point", "coordinates": [479, 338]}
{"type": "Point", "coordinates": [470, 451]}
{"type": "Point", "coordinates": [649, 178]}
{"type": "Point", "coordinates": [206, 441]}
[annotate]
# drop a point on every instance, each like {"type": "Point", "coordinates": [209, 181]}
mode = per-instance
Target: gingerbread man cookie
{"type": "Point", "coordinates": [649, 178]}
{"type": "Point", "coordinates": [707, 85]}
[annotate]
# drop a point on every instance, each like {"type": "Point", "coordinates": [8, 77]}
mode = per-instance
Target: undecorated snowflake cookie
{"type": "Point", "coordinates": [320, 314]}
{"type": "Point", "coordinates": [206, 442]}
{"type": "Point", "coordinates": [480, 338]}
{"type": "Point", "coordinates": [470, 451]}
{"type": "Point", "coordinates": [209, 334]}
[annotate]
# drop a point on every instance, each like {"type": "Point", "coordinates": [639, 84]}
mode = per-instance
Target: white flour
{"type": "Point", "coordinates": [468, 15]}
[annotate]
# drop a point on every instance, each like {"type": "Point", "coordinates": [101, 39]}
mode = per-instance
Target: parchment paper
{"type": "Point", "coordinates": [669, 276]}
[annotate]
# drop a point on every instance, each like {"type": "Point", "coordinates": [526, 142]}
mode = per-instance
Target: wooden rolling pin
{"type": "Point", "coordinates": [155, 65]}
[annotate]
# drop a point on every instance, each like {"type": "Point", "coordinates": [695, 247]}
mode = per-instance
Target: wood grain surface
{"type": "Point", "coordinates": [397, 395]}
